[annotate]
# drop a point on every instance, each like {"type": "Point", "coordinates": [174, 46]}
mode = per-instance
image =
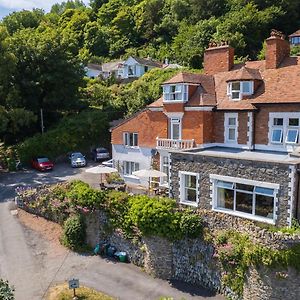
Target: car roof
{"type": "Point", "coordinates": [77, 153]}
{"type": "Point", "coordinates": [100, 148]}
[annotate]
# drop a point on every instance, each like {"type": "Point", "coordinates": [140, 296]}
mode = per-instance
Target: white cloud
{"type": "Point", "coordinates": [29, 4]}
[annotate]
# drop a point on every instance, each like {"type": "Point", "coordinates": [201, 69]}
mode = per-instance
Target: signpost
{"type": "Point", "coordinates": [74, 284]}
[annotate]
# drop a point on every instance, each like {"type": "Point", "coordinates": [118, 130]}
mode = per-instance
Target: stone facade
{"type": "Point", "coordinates": [278, 173]}
{"type": "Point", "coordinates": [265, 284]}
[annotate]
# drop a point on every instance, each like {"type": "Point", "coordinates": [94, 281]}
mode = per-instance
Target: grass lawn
{"type": "Point", "coordinates": [62, 292]}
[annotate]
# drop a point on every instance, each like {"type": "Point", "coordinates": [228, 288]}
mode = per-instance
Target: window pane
{"type": "Point", "coordinates": [231, 134]}
{"type": "Point", "coordinates": [175, 131]}
{"type": "Point", "coordinates": [244, 202]}
{"type": "Point", "coordinates": [235, 95]}
{"type": "Point", "coordinates": [244, 187]}
{"type": "Point", "coordinates": [190, 181]}
{"type": "Point", "coordinates": [225, 198]}
{"type": "Point", "coordinates": [263, 190]}
{"type": "Point", "coordinates": [131, 139]}
{"type": "Point", "coordinates": [292, 136]}
{"type": "Point", "coordinates": [264, 206]}
{"type": "Point", "coordinates": [293, 122]}
{"type": "Point", "coordinates": [246, 87]}
{"type": "Point", "coordinates": [225, 184]}
{"type": "Point", "coordinates": [136, 139]}
{"type": "Point", "coordinates": [231, 121]}
{"type": "Point", "coordinates": [277, 135]}
{"type": "Point", "coordinates": [235, 86]}
{"type": "Point", "coordinates": [191, 195]}
{"type": "Point", "coordinates": [278, 121]}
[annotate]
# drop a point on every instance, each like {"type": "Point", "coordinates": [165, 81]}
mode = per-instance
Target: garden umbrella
{"type": "Point", "coordinates": [149, 173]}
{"type": "Point", "coordinates": [101, 170]}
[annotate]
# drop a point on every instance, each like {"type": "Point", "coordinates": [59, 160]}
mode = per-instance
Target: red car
{"type": "Point", "coordinates": [42, 163]}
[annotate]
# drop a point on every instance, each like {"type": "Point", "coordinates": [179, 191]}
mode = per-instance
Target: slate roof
{"type": "Point", "coordinates": [296, 33]}
{"type": "Point", "coordinates": [147, 62]}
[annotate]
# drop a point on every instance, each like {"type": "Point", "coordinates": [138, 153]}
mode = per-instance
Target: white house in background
{"type": "Point", "coordinates": [92, 70]}
{"type": "Point", "coordinates": [135, 67]}
{"type": "Point", "coordinates": [113, 68]}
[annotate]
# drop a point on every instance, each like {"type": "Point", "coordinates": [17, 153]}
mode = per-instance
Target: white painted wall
{"type": "Point", "coordinates": [91, 73]}
{"type": "Point", "coordinates": [139, 69]}
{"type": "Point", "coordinates": [141, 155]}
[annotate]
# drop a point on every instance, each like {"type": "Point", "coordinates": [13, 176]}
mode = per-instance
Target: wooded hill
{"type": "Point", "coordinates": [42, 54]}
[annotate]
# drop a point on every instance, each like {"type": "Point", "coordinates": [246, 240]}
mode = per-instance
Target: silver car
{"type": "Point", "coordinates": [77, 160]}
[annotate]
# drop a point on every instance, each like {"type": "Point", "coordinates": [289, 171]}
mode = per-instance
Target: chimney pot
{"type": "Point", "coordinates": [277, 49]}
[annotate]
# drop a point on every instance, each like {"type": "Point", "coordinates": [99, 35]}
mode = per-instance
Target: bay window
{"type": "Point", "coordinates": [175, 92]}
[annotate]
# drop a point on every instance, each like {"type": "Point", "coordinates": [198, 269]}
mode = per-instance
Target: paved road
{"type": "Point", "coordinates": [31, 264]}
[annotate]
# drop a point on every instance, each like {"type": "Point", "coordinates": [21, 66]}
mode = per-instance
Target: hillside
{"type": "Point", "coordinates": [42, 54]}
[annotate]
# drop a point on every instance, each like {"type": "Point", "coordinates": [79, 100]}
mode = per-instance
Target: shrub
{"type": "Point", "coordinates": [190, 224]}
{"type": "Point", "coordinates": [81, 194]}
{"type": "Point", "coordinates": [74, 232]}
{"type": "Point", "coordinates": [155, 216]}
{"type": "Point", "coordinates": [6, 292]}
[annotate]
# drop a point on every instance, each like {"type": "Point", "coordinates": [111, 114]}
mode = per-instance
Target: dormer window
{"type": "Point", "coordinates": [236, 89]}
{"type": "Point", "coordinates": [175, 92]}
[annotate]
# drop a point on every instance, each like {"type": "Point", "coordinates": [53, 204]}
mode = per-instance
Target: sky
{"type": "Point", "coordinates": [8, 6]}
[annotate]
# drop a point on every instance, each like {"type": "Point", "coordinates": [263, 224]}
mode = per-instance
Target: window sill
{"type": "Point", "coordinates": [174, 101]}
{"type": "Point", "coordinates": [131, 177]}
{"type": "Point", "coordinates": [131, 147]}
{"type": "Point", "coordinates": [245, 215]}
{"type": "Point", "coordinates": [194, 204]}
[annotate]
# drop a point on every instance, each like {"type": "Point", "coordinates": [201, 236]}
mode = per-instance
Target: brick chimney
{"type": "Point", "coordinates": [219, 57]}
{"type": "Point", "coordinates": [277, 49]}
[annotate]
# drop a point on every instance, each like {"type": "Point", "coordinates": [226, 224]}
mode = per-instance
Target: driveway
{"type": "Point", "coordinates": [32, 263]}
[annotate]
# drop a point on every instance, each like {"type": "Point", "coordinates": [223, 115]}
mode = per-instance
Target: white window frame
{"type": "Point", "coordinates": [163, 180]}
{"type": "Point", "coordinates": [175, 121]}
{"type": "Point", "coordinates": [241, 91]}
{"type": "Point", "coordinates": [178, 89]}
{"type": "Point", "coordinates": [135, 139]}
{"type": "Point", "coordinates": [215, 178]}
{"type": "Point", "coordinates": [285, 128]}
{"type": "Point", "coordinates": [227, 127]}
{"type": "Point", "coordinates": [132, 167]}
{"type": "Point", "coordinates": [182, 199]}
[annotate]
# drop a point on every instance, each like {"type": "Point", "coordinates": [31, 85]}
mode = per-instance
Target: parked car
{"type": "Point", "coordinates": [108, 163]}
{"type": "Point", "coordinates": [99, 154]}
{"type": "Point", "coordinates": [42, 163]}
{"type": "Point", "coordinates": [77, 159]}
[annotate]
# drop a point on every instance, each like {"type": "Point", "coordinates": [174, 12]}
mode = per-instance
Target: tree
{"type": "Point", "coordinates": [47, 75]}
{"type": "Point", "coordinates": [23, 19]}
{"type": "Point", "coordinates": [7, 65]}
{"type": "Point", "coordinates": [6, 292]}
{"type": "Point", "coordinates": [192, 40]}
{"type": "Point", "coordinates": [60, 8]}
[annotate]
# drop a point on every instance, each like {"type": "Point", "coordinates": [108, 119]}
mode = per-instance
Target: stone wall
{"type": "Point", "coordinates": [265, 284]}
{"type": "Point", "coordinates": [247, 169]}
{"type": "Point", "coordinates": [193, 262]}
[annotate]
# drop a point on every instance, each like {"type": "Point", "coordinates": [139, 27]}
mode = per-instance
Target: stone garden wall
{"type": "Point", "coordinates": [193, 261]}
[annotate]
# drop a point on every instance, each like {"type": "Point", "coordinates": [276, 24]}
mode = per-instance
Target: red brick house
{"type": "Point", "coordinates": [228, 138]}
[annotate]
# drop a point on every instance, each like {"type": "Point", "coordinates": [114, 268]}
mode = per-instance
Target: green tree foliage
{"type": "Point", "coordinates": [23, 19]}
{"type": "Point", "coordinates": [77, 132]}
{"type": "Point", "coordinates": [6, 292]}
{"type": "Point", "coordinates": [47, 75]}
{"type": "Point", "coordinates": [60, 8]}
